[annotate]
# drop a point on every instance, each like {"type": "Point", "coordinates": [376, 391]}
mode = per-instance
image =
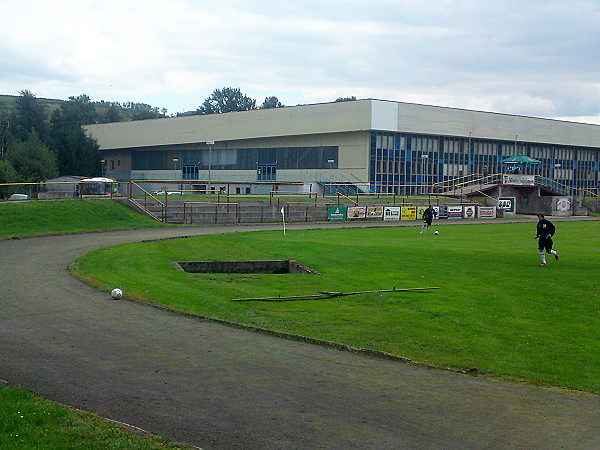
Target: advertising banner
{"type": "Point", "coordinates": [563, 204]}
{"type": "Point", "coordinates": [486, 212]}
{"type": "Point", "coordinates": [337, 212]}
{"type": "Point", "coordinates": [442, 212]}
{"type": "Point", "coordinates": [508, 204]}
{"type": "Point", "coordinates": [469, 212]}
{"type": "Point", "coordinates": [455, 212]}
{"type": "Point", "coordinates": [391, 213]}
{"type": "Point", "coordinates": [420, 210]}
{"type": "Point", "coordinates": [518, 180]}
{"type": "Point", "coordinates": [409, 212]}
{"type": "Point", "coordinates": [357, 212]}
{"type": "Point", "coordinates": [374, 212]}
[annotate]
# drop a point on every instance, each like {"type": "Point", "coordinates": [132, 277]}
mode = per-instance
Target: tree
{"type": "Point", "coordinates": [29, 115]}
{"type": "Point", "coordinates": [76, 154]}
{"type": "Point", "coordinates": [112, 114]}
{"type": "Point", "coordinates": [4, 125]}
{"type": "Point", "coordinates": [346, 99]}
{"type": "Point", "coordinates": [78, 111]}
{"type": "Point", "coordinates": [143, 111]}
{"type": "Point", "coordinates": [32, 159]}
{"type": "Point", "coordinates": [271, 102]}
{"type": "Point", "coordinates": [8, 174]}
{"type": "Point", "coordinates": [226, 100]}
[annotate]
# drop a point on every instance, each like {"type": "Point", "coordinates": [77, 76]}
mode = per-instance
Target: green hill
{"type": "Point", "coordinates": [135, 111]}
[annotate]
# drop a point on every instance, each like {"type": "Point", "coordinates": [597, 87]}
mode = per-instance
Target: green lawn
{"type": "Point", "coordinates": [28, 422]}
{"type": "Point", "coordinates": [496, 310]}
{"type": "Point", "coordinates": [37, 218]}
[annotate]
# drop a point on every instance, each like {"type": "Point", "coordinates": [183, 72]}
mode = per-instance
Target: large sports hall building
{"type": "Point", "coordinates": [373, 145]}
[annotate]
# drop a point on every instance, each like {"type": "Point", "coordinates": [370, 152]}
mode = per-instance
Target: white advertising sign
{"type": "Point", "coordinates": [563, 204]}
{"type": "Point", "coordinates": [486, 212]}
{"type": "Point", "coordinates": [455, 212]}
{"type": "Point", "coordinates": [520, 180]}
{"type": "Point", "coordinates": [469, 212]}
{"type": "Point", "coordinates": [357, 212]}
{"type": "Point", "coordinates": [391, 213]}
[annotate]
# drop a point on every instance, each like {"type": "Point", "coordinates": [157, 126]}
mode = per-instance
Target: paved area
{"type": "Point", "coordinates": [217, 387]}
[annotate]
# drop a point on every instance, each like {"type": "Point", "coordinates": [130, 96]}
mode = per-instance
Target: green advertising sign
{"type": "Point", "coordinates": [337, 213]}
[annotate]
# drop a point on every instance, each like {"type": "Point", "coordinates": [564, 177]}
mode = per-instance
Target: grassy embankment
{"type": "Point", "coordinates": [39, 218]}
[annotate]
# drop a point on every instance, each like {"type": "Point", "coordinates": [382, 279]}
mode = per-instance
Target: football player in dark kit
{"type": "Point", "coordinates": [428, 216]}
{"type": "Point", "coordinates": [545, 231]}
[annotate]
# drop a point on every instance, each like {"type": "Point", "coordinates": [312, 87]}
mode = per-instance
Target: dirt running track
{"type": "Point", "coordinates": [218, 387]}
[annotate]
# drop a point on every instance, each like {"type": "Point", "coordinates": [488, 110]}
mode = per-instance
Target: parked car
{"type": "Point", "coordinates": [18, 197]}
{"type": "Point", "coordinates": [167, 192]}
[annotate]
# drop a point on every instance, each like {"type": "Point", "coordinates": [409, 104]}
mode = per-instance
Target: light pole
{"type": "Point", "coordinates": [210, 144]}
{"type": "Point", "coordinates": [331, 161]}
{"type": "Point", "coordinates": [175, 161]}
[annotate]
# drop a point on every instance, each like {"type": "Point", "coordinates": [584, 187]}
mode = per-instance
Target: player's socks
{"type": "Point", "coordinates": [543, 256]}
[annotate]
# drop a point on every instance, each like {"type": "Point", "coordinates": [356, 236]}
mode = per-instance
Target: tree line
{"type": "Point", "coordinates": [37, 144]}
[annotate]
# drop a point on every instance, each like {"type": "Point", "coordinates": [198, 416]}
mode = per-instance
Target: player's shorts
{"type": "Point", "coordinates": [427, 221]}
{"type": "Point", "coordinates": [545, 244]}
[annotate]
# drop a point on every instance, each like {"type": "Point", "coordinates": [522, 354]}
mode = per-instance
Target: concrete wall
{"type": "Point", "coordinates": [530, 201]}
{"type": "Point", "coordinates": [443, 121]}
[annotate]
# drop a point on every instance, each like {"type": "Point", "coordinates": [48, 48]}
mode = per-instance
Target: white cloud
{"type": "Point", "coordinates": [522, 57]}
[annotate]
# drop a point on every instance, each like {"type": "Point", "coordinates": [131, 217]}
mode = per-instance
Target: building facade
{"type": "Point", "coordinates": [373, 145]}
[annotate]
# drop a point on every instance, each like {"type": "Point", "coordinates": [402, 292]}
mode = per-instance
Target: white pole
{"type": "Point", "coordinates": [283, 218]}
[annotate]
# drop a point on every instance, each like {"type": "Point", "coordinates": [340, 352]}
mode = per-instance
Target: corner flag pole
{"type": "Point", "coordinates": [283, 218]}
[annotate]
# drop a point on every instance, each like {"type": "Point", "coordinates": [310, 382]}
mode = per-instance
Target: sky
{"type": "Point", "coordinates": [532, 58]}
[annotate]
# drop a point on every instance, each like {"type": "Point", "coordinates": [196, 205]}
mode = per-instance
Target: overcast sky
{"type": "Point", "coordinates": [536, 58]}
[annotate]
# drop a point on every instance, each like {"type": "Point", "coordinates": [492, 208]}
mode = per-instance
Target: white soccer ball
{"type": "Point", "coordinates": [436, 232]}
{"type": "Point", "coordinates": [116, 293]}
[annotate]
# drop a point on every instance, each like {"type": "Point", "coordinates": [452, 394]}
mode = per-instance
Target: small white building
{"type": "Point", "coordinates": [65, 186]}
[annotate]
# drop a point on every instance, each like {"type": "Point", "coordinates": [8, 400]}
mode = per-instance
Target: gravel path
{"type": "Point", "coordinates": [219, 387]}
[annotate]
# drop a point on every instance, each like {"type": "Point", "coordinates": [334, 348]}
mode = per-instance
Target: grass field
{"type": "Point", "coordinates": [496, 311]}
{"type": "Point", "coordinates": [38, 218]}
{"type": "Point", "coordinates": [28, 422]}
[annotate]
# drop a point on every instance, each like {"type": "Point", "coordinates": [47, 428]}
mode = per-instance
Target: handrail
{"type": "Point", "coordinates": [147, 193]}
{"type": "Point", "coordinates": [163, 206]}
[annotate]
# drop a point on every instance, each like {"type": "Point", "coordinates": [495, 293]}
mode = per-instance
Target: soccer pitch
{"type": "Point", "coordinates": [496, 310]}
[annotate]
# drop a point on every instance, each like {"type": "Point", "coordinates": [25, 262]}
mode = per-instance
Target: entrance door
{"type": "Point", "coordinates": [266, 172]}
